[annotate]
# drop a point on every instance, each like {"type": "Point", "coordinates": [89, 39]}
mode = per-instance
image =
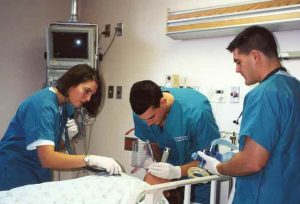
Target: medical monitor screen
{"type": "Point", "coordinates": [70, 45]}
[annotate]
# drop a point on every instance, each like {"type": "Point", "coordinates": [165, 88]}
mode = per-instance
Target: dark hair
{"type": "Point", "coordinates": [79, 74]}
{"type": "Point", "coordinates": [255, 38]}
{"type": "Point", "coordinates": [144, 94]}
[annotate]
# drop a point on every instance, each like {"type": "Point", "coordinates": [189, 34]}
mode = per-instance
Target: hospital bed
{"type": "Point", "coordinates": [102, 189]}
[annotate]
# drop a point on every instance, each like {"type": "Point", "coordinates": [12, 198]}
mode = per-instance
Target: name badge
{"type": "Point", "coordinates": [181, 138]}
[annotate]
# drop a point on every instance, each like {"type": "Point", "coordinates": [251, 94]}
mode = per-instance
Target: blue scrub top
{"type": "Point", "coordinates": [189, 127]}
{"type": "Point", "coordinates": [38, 117]}
{"type": "Point", "coordinates": [271, 117]}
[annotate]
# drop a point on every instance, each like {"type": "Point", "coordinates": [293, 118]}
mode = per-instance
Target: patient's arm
{"type": "Point", "coordinates": [56, 160]}
{"type": "Point", "coordinates": [174, 196]}
{"type": "Point", "coordinates": [149, 178]}
{"type": "Point", "coordinates": [152, 180]}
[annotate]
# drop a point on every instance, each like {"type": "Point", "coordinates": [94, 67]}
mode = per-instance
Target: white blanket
{"type": "Point", "coordinates": [100, 189]}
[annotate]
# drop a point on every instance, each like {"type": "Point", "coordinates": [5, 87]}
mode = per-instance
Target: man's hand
{"type": "Point", "coordinates": [211, 163]}
{"type": "Point", "coordinates": [165, 170]}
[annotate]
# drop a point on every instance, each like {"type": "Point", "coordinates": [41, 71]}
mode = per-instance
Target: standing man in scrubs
{"type": "Point", "coordinates": [178, 118]}
{"type": "Point", "coordinates": [268, 163]}
{"type": "Point", "coordinates": [31, 144]}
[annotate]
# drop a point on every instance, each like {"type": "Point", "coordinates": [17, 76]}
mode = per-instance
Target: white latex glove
{"type": "Point", "coordinates": [211, 163]}
{"type": "Point", "coordinates": [148, 162]}
{"type": "Point", "coordinates": [72, 128]}
{"type": "Point", "coordinates": [165, 170]}
{"type": "Point", "coordinates": [111, 166]}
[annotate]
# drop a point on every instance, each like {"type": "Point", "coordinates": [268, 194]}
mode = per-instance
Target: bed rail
{"type": "Point", "coordinates": [154, 193]}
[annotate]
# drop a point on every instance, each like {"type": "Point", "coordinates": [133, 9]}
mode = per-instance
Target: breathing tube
{"type": "Point", "coordinates": [213, 151]}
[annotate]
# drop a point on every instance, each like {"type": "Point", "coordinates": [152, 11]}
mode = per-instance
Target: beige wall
{"type": "Point", "coordinates": [22, 46]}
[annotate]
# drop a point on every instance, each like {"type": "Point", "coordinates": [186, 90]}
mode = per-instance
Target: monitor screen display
{"type": "Point", "coordinates": [70, 45]}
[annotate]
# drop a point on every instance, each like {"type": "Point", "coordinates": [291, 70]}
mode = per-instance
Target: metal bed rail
{"type": "Point", "coordinates": [154, 193]}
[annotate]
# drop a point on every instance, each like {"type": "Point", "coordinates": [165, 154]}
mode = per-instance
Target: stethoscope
{"type": "Point", "coordinates": [237, 120]}
{"type": "Point", "coordinates": [69, 147]}
{"type": "Point", "coordinates": [270, 74]}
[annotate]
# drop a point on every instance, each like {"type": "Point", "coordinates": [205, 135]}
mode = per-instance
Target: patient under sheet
{"type": "Point", "coordinates": [91, 189]}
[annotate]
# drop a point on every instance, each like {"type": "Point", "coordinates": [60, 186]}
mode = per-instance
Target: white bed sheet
{"type": "Point", "coordinates": [100, 189]}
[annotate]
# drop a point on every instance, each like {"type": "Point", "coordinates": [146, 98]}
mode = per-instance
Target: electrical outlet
{"type": "Point", "coordinates": [119, 92]}
{"type": "Point", "coordinates": [110, 92]}
{"type": "Point", "coordinates": [119, 29]}
{"type": "Point", "coordinates": [106, 32]}
{"type": "Point", "coordinates": [168, 81]}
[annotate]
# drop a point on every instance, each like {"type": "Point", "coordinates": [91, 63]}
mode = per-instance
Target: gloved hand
{"type": "Point", "coordinates": [111, 166]}
{"type": "Point", "coordinates": [211, 163]}
{"type": "Point", "coordinates": [148, 162]}
{"type": "Point", "coordinates": [165, 170]}
{"type": "Point", "coordinates": [72, 128]}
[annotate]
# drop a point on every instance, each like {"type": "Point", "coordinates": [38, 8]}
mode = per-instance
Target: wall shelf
{"type": "Point", "coordinates": [275, 15]}
{"type": "Point", "coordinates": [289, 55]}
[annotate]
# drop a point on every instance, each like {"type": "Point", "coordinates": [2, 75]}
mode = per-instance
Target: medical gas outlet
{"type": "Point", "coordinates": [234, 94]}
{"type": "Point", "coordinates": [172, 81]}
{"type": "Point", "coordinates": [218, 96]}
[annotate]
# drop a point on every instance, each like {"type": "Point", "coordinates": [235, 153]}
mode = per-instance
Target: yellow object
{"type": "Point", "coordinates": [194, 172]}
{"type": "Point", "coordinates": [175, 81]}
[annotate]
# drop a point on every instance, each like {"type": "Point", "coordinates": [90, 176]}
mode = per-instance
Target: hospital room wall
{"type": "Point", "coordinates": [145, 52]}
{"type": "Point", "coordinates": [22, 46]}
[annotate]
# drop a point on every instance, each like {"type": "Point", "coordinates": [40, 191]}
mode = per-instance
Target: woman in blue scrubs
{"type": "Point", "coordinates": [267, 166]}
{"type": "Point", "coordinates": [31, 144]}
{"type": "Point", "coordinates": [178, 118]}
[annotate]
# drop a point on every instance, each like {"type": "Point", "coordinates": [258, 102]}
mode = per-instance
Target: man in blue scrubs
{"type": "Point", "coordinates": [178, 118]}
{"type": "Point", "coordinates": [267, 166]}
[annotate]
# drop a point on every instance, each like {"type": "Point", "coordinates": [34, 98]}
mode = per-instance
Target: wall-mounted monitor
{"type": "Point", "coordinates": [69, 44]}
